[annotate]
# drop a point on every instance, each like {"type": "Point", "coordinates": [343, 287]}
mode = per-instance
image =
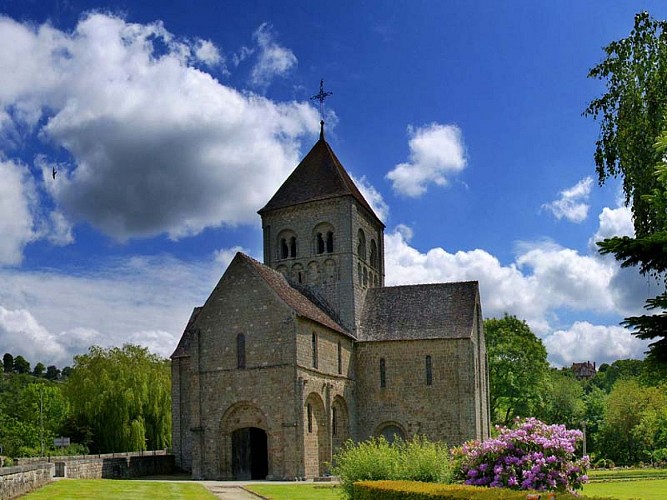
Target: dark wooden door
{"type": "Point", "coordinates": [249, 454]}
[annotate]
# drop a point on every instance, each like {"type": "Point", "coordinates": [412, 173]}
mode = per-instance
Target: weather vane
{"type": "Point", "coordinates": [321, 97]}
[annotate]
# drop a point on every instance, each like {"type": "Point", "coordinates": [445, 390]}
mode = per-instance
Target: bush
{"type": "Point", "coordinates": [423, 460]}
{"type": "Point", "coordinates": [377, 459]}
{"type": "Point", "coordinates": [531, 456]}
{"type": "Point", "coordinates": [406, 490]}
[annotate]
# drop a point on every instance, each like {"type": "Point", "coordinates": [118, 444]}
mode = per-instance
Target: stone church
{"type": "Point", "coordinates": [288, 359]}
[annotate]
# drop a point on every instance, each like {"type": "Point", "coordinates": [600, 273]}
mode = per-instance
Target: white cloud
{"type": "Point", "coordinates": [225, 256]}
{"type": "Point", "coordinates": [436, 152]}
{"type": "Point", "coordinates": [586, 342]}
{"type": "Point", "coordinates": [373, 197]}
{"type": "Point", "coordinates": [17, 207]}
{"type": "Point", "coordinates": [158, 146]}
{"type": "Point", "coordinates": [208, 53]}
{"type": "Point", "coordinates": [272, 59]}
{"type": "Point", "coordinates": [50, 316]}
{"type": "Point", "coordinates": [572, 202]}
{"type": "Point", "coordinates": [613, 222]}
{"type": "Point", "coordinates": [21, 334]}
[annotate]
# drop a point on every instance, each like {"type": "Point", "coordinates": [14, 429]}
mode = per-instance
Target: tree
{"type": "Point", "coordinates": [39, 369]}
{"type": "Point", "coordinates": [635, 419]}
{"type": "Point", "coordinates": [123, 396]}
{"type": "Point", "coordinates": [518, 369]}
{"type": "Point", "coordinates": [564, 400]}
{"type": "Point", "coordinates": [21, 365]}
{"type": "Point", "coordinates": [634, 115]}
{"type": "Point", "coordinates": [8, 363]}
{"type": "Point", "coordinates": [52, 372]}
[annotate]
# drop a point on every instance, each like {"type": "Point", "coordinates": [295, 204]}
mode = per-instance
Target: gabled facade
{"type": "Point", "coordinates": [288, 359]}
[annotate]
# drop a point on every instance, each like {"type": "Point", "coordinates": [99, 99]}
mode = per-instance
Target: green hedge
{"type": "Point", "coordinates": [410, 490]}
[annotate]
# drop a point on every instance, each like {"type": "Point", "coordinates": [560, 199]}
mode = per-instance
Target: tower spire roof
{"type": "Point", "coordinates": [319, 176]}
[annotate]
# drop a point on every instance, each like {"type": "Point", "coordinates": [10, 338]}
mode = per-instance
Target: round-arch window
{"type": "Point", "coordinates": [391, 433]}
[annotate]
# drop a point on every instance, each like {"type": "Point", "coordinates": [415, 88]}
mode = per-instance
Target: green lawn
{"type": "Point", "coordinates": [297, 491]}
{"type": "Point", "coordinates": [648, 489]}
{"type": "Point", "coordinates": [114, 489]}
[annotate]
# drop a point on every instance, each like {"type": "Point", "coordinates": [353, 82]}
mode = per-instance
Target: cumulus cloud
{"type": "Point", "coordinates": [272, 59]}
{"type": "Point", "coordinates": [584, 341]}
{"type": "Point", "coordinates": [613, 222]}
{"type": "Point", "coordinates": [436, 153]}
{"type": "Point", "coordinates": [50, 316]}
{"type": "Point", "coordinates": [157, 145]}
{"type": "Point", "coordinates": [17, 211]}
{"type": "Point", "coordinates": [373, 197]}
{"type": "Point", "coordinates": [572, 202]}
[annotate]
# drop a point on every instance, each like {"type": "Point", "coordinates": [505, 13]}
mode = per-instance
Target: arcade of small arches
{"type": "Point", "coordinates": [323, 243]}
{"type": "Point", "coordinates": [367, 268]}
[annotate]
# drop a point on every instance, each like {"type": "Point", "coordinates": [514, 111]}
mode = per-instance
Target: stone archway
{"type": "Point", "coordinates": [316, 449]}
{"type": "Point", "coordinates": [244, 442]}
{"type": "Point", "coordinates": [340, 423]}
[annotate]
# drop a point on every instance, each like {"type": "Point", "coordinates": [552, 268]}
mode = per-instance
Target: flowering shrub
{"type": "Point", "coordinates": [530, 456]}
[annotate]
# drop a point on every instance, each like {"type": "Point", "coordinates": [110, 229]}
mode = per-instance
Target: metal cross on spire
{"type": "Point", "coordinates": [321, 97]}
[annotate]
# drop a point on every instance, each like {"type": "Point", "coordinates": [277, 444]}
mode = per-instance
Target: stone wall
{"type": "Point", "coordinates": [224, 397]}
{"type": "Point", "coordinates": [116, 468]}
{"type": "Point", "coordinates": [444, 410]}
{"type": "Point", "coordinates": [22, 479]}
{"type": "Point", "coordinates": [107, 466]}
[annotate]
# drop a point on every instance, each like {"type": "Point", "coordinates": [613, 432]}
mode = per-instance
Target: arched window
{"type": "Point", "coordinates": [292, 246]}
{"type": "Point", "coordinates": [284, 251]}
{"type": "Point", "coordinates": [334, 421]}
{"type": "Point", "coordinates": [361, 245]}
{"type": "Point", "coordinates": [340, 358]}
{"type": "Point", "coordinates": [330, 244]}
{"type": "Point", "coordinates": [287, 244]}
{"type": "Point", "coordinates": [383, 377]}
{"type": "Point", "coordinates": [323, 238]}
{"type": "Point", "coordinates": [310, 417]}
{"type": "Point", "coordinates": [429, 371]}
{"type": "Point", "coordinates": [365, 277]}
{"type": "Point", "coordinates": [374, 255]}
{"type": "Point", "coordinates": [240, 351]}
{"type": "Point", "coordinates": [314, 349]}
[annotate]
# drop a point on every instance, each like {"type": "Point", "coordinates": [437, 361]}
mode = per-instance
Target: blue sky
{"type": "Point", "coordinates": [171, 123]}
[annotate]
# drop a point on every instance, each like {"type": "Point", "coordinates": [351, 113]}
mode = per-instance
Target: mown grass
{"type": "Point", "coordinates": [648, 489]}
{"type": "Point", "coordinates": [114, 489]}
{"type": "Point", "coordinates": [297, 491]}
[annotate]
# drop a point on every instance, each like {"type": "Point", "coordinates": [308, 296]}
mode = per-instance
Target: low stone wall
{"type": "Point", "coordinates": [115, 467]}
{"type": "Point", "coordinates": [22, 479]}
{"type": "Point", "coordinates": [107, 466]}
{"type": "Point", "coordinates": [68, 458]}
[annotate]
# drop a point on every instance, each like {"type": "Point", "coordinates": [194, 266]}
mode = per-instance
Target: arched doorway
{"type": "Point", "coordinates": [250, 458]}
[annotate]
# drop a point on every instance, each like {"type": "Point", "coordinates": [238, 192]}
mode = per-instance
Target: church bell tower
{"type": "Point", "coordinates": [323, 236]}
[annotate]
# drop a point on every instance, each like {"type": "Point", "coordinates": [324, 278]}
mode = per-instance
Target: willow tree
{"type": "Point", "coordinates": [124, 396]}
{"type": "Point", "coordinates": [633, 117]}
